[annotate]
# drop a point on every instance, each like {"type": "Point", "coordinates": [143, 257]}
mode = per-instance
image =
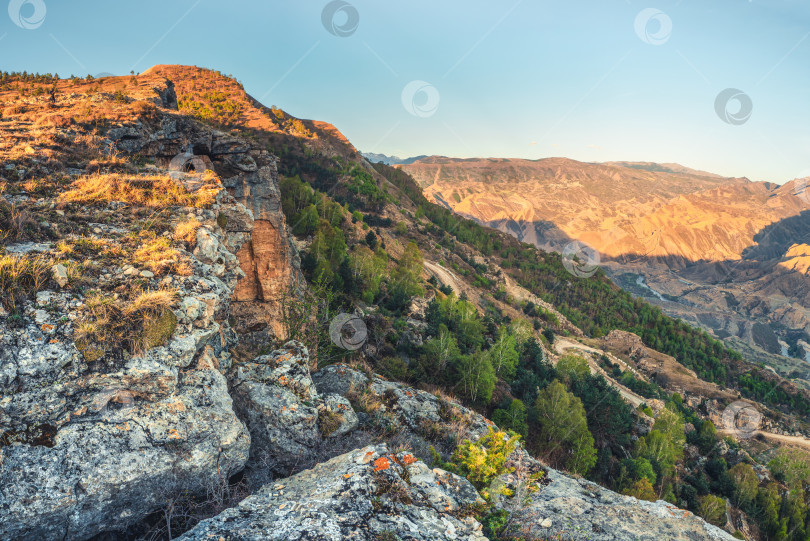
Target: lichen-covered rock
{"type": "Point", "coordinates": [93, 442]}
{"type": "Point", "coordinates": [422, 411]}
{"type": "Point", "coordinates": [338, 379]}
{"type": "Point", "coordinates": [363, 495]}
{"type": "Point", "coordinates": [276, 397]}
{"type": "Point", "coordinates": [114, 448]}
{"type": "Point", "coordinates": [579, 509]}
{"type": "Point", "coordinates": [339, 411]}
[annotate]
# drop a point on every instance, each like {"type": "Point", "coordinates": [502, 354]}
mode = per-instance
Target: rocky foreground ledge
{"type": "Point", "coordinates": [366, 494]}
{"type": "Point", "coordinates": [107, 475]}
{"type": "Point", "coordinates": [372, 493]}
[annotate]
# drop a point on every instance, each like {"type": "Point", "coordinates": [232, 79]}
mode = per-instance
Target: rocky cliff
{"type": "Point", "coordinates": [97, 432]}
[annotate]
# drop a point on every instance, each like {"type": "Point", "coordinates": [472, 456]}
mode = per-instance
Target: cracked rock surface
{"type": "Point", "coordinates": [360, 495]}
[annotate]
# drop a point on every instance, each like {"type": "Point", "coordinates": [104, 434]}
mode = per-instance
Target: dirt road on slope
{"type": "Point", "coordinates": [563, 346]}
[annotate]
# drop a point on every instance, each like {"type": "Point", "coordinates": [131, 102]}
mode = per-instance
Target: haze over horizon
{"type": "Point", "coordinates": [591, 81]}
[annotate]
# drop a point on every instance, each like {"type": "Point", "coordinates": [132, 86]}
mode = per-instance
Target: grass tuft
{"type": "Point", "coordinates": [159, 257]}
{"type": "Point", "coordinates": [144, 191]}
{"type": "Point", "coordinates": [328, 422]}
{"type": "Point", "coordinates": [187, 231]}
{"type": "Point", "coordinates": [21, 276]}
{"type": "Point", "coordinates": [108, 325]}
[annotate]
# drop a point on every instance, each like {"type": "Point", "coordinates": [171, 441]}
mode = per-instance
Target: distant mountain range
{"type": "Point", "coordinates": [390, 160]}
{"type": "Point", "coordinates": [727, 254]}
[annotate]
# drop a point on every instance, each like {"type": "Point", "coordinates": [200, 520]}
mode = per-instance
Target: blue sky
{"type": "Point", "coordinates": [587, 80]}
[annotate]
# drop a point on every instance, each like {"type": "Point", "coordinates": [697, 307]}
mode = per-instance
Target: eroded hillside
{"type": "Point", "coordinates": [711, 250]}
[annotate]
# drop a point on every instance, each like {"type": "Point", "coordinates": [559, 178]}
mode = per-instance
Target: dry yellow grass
{"type": "Point", "coordinates": [159, 257]}
{"type": "Point", "coordinates": [187, 231]}
{"type": "Point", "coordinates": [108, 324]}
{"type": "Point", "coordinates": [153, 301]}
{"type": "Point", "coordinates": [145, 191]}
{"type": "Point", "coordinates": [75, 246]}
{"type": "Point", "coordinates": [21, 276]}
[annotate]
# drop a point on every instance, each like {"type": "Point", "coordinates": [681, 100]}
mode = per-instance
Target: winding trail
{"type": "Point", "coordinates": [445, 276]}
{"type": "Point", "coordinates": [563, 346]}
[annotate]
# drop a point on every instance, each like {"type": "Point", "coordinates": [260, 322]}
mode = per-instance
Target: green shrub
{"type": "Point", "coordinates": [483, 460]}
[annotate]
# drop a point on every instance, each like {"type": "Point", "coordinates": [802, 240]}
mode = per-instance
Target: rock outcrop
{"type": "Point", "coordinates": [367, 494]}
{"type": "Point", "coordinates": [90, 445]}
{"type": "Point", "coordinates": [564, 506]}
{"type": "Point", "coordinates": [256, 229]}
{"type": "Point", "coordinates": [275, 396]}
{"type": "Point", "coordinates": [578, 509]}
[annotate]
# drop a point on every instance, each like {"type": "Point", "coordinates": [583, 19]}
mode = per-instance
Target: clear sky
{"type": "Point", "coordinates": [594, 80]}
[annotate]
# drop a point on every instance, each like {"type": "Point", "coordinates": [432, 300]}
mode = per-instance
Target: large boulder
{"type": "Point", "coordinates": [368, 494]}
{"type": "Point", "coordinates": [123, 443]}
{"type": "Point", "coordinates": [579, 509]}
{"type": "Point", "coordinates": [277, 398]}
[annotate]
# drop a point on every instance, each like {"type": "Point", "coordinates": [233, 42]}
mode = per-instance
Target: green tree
{"type": "Point", "coordinates": [306, 222]}
{"type": "Point", "coordinates": [367, 268]}
{"type": "Point", "coordinates": [439, 353]}
{"type": "Point", "coordinates": [513, 418]}
{"type": "Point", "coordinates": [642, 469]}
{"type": "Point", "coordinates": [664, 444]}
{"type": "Point", "coordinates": [504, 356]}
{"type": "Point", "coordinates": [405, 278]}
{"type": "Point", "coordinates": [476, 376]}
{"type": "Point", "coordinates": [328, 250]}
{"type": "Point", "coordinates": [521, 329]}
{"type": "Point", "coordinates": [712, 508]}
{"type": "Point", "coordinates": [572, 367]}
{"type": "Point", "coordinates": [371, 240]}
{"type": "Point", "coordinates": [768, 502]}
{"type": "Point", "coordinates": [642, 489]}
{"type": "Point", "coordinates": [564, 439]}
{"type": "Point", "coordinates": [746, 483]}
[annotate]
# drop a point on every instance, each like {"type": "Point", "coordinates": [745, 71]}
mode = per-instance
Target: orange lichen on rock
{"type": "Point", "coordinates": [409, 459]}
{"type": "Point", "coordinates": [381, 464]}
